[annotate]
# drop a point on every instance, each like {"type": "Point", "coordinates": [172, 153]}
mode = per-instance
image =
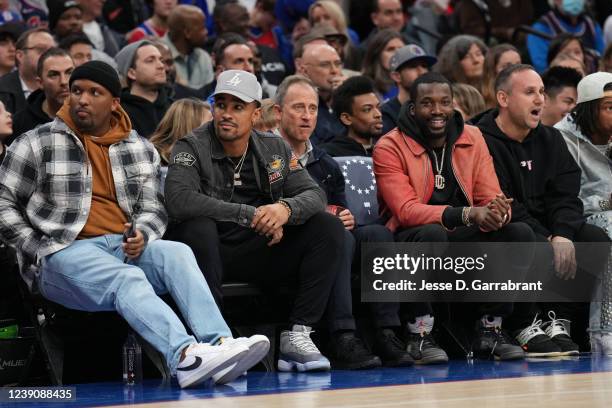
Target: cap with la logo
{"type": "Point", "coordinates": [241, 84]}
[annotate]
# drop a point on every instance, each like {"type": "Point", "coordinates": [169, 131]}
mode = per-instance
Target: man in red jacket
{"type": "Point", "coordinates": [437, 183]}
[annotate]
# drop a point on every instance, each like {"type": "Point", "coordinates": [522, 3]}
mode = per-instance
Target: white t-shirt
{"type": "Point", "coordinates": [94, 33]}
{"type": "Point", "coordinates": [608, 31]}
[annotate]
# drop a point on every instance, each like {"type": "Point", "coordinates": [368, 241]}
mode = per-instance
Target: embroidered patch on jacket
{"type": "Point", "coordinates": [184, 159]}
{"type": "Point", "coordinates": [274, 176]}
{"type": "Point", "coordinates": [277, 163]}
{"type": "Point", "coordinates": [294, 163]}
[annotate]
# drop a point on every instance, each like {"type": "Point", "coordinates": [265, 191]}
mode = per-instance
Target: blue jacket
{"type": "Point", "coordinates": [326, 172]}
{"type": "Point", "coordinates": [538, 47]}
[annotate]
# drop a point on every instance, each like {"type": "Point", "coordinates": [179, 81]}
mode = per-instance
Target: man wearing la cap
{"type": "Point", "coordinates": [250, 212]}
{"type": "Point", "coordinates": [587, 130]}
{"type": "Point", "coordinates": [68, 192]}
{"type": "Point", "coordinates": [407, 64]}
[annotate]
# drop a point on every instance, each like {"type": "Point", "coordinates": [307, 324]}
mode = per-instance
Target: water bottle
{"type": "Point", "coordinates": [132, 360]}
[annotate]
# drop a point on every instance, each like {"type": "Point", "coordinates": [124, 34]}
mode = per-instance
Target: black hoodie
{"type": "Point", "coordinates": [145, 115]}
{"type": "Point", "coordinates": [30, 117]}
{"type": "Point", "coordinates": [342, 145]}
{"type": "Point", "coordinates": [540, 174]}
{"type": "Point", "coordinates": [451, 194]}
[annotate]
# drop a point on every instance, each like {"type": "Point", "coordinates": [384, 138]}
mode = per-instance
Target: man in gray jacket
{"type": "Point", "coordinates": [587, 130]}
{"type": "Point", "coordinates": [250, 212]}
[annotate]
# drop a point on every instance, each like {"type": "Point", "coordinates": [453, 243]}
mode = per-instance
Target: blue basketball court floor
{"type": "Point", "coordinates": [566, 381]}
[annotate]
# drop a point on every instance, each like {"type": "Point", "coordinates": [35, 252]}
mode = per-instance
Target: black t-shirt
{"type": "Point", "coordinates": [245, 192]}
{"type": "Point", "coordinates": [451, 194]}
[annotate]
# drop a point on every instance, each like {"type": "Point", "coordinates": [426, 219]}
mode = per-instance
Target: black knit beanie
{"type": "Point", "coordinates": [57, 8]}
{"type": "Point", "coordinates": [99, 72]}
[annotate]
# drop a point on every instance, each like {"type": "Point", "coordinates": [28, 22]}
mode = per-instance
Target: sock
{"type": "Point", "coordinates": [491, 321]}
{"type": "Point", "coordinates": [421, 324]}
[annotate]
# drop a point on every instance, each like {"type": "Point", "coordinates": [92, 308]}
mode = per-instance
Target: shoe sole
{"type": "Point", "coordinates": [545, 354]}
{"type": "Point", "coordinates": [511, 356]}
{"type": "Point", "coordinates": [570, 353]}
{"type": "Point", "coordinates": [199, 377]}
{"type": "Point", "coordinates": [395, 363]}
{"type": "Point", "coordinates": [257, 351]}
{"type": "Point", "coordinates": [288, 366]}
{"type": "Point", "coordinates": [506, 357]}
{"type": "Point", "coordinates": [432, 360]}
{"type": "Point", "coordinates": [363, 365]}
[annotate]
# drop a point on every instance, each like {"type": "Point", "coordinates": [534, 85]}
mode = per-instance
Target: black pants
{"type": "Point", "coordinates": [308, 256]}
{"type": "Point", "coordinates": [384, 314]}
{"type": "Point", "coordinates": [591, 258]}
{"type": "Point", "coordinates": [513, 232]}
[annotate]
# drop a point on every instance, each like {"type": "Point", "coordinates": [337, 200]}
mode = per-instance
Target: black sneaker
{"type": "Point", "coordinates": [347, 352]}
{"type": "Point", "coordinates": [425, 347]}
{"type": "Point", "coordinates": [494, 343]}
{"type": "Point", "coordinates": [535, 342]}
{"type": "Point", "coordinates": [558, 332]}
{"type": "Point", "coordinates": [391, 350]}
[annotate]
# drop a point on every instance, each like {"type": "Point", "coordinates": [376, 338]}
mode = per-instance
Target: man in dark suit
{"type": "Point", "coordinates": [16, 86]}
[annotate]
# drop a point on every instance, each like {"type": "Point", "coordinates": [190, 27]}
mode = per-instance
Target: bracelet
{"type": "Point", "coordinates": [605, 205]}
{"type": "Point", "coordinates": [286, 205]}
{"type": "Point", "coordinates": [465, 216]}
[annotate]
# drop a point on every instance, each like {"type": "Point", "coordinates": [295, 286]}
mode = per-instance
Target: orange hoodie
{"type": "Point", "coordinates": [105, 215]}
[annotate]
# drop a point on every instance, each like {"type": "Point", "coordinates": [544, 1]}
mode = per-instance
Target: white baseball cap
{"type": "Point", "coordinates": [591, 87]}
{"type": "Point", "coordinates": [241, 84]}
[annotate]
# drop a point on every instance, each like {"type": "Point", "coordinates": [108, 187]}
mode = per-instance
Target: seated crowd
{"type": "Point", "coordinates": [247, 117]}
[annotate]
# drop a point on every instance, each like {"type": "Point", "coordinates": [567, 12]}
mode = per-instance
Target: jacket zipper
{"type": "Point", "coordinates": [426, 171]}
{"type": "Point", "coordinates": [458, 180]}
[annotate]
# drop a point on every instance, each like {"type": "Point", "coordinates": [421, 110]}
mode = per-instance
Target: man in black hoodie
{"type": "Point", "coordinates": [53, 72]}
{"type": "Point", "coordinates": [535, 168]}
{"type": "Point", "coordinates": [146, 97]}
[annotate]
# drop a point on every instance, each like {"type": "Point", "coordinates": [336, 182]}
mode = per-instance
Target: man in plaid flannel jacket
{"type": "Point", "coordinates": [68, 190]}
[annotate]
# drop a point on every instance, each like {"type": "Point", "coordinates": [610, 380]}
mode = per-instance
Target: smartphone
{"type": "Point", "coordinates": [130, 233]}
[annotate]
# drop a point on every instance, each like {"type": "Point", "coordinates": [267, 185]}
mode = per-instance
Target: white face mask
{"type": "Point", "coordinates": [572, 7]}
{"type": "Point", "coordinates": [442, 4]}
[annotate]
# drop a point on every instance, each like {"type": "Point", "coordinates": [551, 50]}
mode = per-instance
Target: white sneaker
{"type": "Point", "coordinates": [601, 343]}
{"type": "Point", "coordinates": [203, 360]}
{"type": "Point", "coordinates": [258, 346]}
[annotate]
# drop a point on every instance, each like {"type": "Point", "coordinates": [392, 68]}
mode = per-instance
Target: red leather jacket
{"type": "Point", "coordinates": [405, 179]}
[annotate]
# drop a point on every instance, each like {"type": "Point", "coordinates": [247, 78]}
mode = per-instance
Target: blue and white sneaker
{"type": "Point", "coordinates": [298, 352]}
{"type": "Point", "coordinates": [203, 360]}
{"type": "Point", "coordinates": [258, 346]}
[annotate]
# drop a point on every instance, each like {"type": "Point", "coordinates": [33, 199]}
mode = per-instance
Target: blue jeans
{"type": "Point", "coordinates": [90, 275]}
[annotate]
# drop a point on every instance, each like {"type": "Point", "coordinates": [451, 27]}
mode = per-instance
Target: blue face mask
{"type": "Point", "coordinates": [572, 7]}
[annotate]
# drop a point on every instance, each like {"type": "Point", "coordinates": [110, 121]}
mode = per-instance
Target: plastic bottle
{"type": "Point", "coordinates": [132, 360]}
